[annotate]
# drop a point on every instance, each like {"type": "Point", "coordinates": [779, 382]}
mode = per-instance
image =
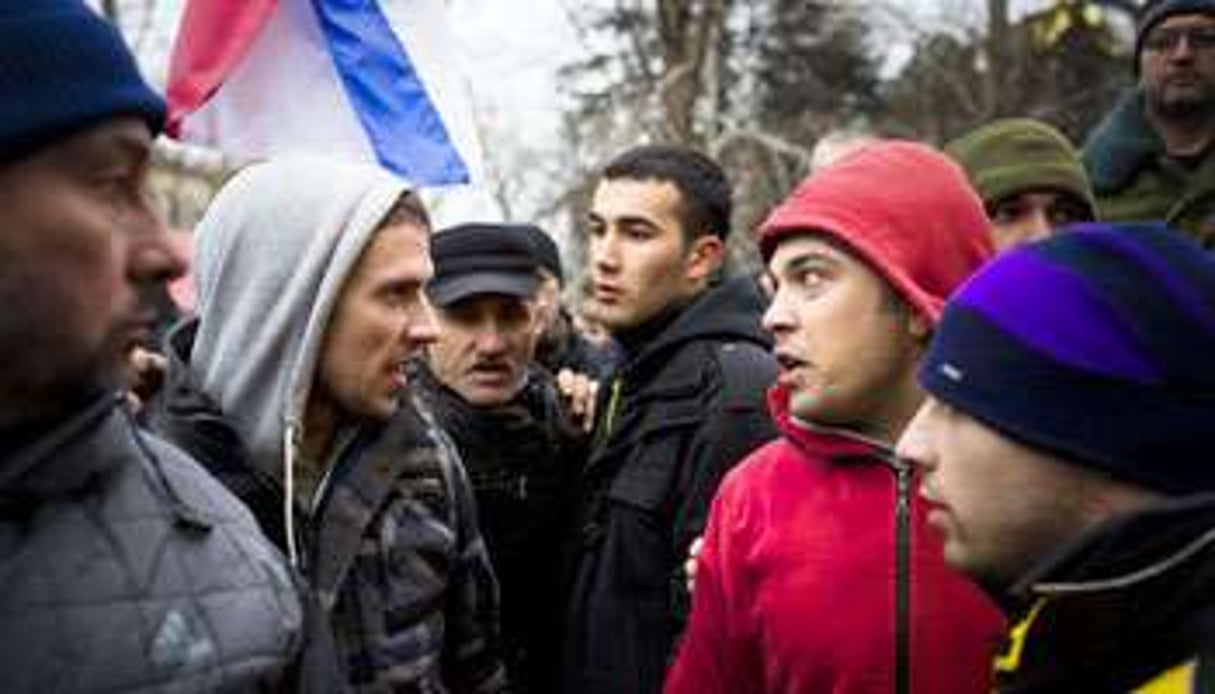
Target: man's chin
{"type": "Point", "coordinates": [1185, 103]}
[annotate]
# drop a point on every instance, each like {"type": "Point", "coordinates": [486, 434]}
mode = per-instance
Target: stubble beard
{"type": "Point", "coordinates": [1182, 106]}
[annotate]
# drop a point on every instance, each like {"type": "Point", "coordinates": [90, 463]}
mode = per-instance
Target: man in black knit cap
{"type": "Point", "coordinates": [123, 566]}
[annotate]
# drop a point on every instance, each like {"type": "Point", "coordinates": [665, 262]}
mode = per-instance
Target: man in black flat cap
{"type": "Point", "coordinates": [521, 449]}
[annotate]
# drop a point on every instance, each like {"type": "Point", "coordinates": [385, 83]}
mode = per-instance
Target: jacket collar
{"type": "Point", "coordinates": [1120, 145]}
{"type": "Point", "coordinates": [64, 459]}
{"type": "Point", "coordinates": [728, 311]}
{"type": "Point", "coordinates": [822, 442]}
{"type": "Point", "coordinates": [1129, 551]}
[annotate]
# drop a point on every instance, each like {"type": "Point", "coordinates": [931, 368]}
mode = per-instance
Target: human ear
{"type": "Point", "coordinates": [704, 257]}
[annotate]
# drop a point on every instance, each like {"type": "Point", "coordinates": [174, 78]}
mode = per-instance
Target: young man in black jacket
{"type": "Point", "coordinates": [686, 404]}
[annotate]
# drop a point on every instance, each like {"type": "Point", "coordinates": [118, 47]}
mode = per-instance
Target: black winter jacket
{"type": "Point", "coordinates": [1130, 604]}
{"type": "Point", "coordinates": [523, 460]}
{"type": "Point", "coordinates": [684, 408]}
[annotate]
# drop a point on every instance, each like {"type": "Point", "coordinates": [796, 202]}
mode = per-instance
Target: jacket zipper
{"type": "Point", "coordinates": [609, 415]}
{"type": "Point", "coordinates": [902, 578]}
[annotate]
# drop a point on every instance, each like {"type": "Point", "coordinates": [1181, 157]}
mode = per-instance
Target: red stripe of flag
{"type": "Point", "coordinates": [211, 39]}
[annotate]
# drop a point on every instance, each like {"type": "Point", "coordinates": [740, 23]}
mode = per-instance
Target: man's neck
{"type": "Point", "coordinates": [320, 430]}
{"type": "Point", "coordinates": [1183, 136]}
{"type": "Point", "coordinates": [901, 408]}
{"type": "Point", "coordinates": [634, 339]}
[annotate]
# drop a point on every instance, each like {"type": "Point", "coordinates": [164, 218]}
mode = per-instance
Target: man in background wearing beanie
{"type": "Point", "coordinates": [818, 571]}
{"type": "Point", "coordinates": [1066, 448]}
{"type": "Point", "coordinates": [1150, 159]}
{"type": "Point", "coordinates": [124, 566]}
{"type": "Point", "coordinates": [522, 452]}
{"type": "Point", "coordinates": [1029, 177]}
{"type": "Point", "coordinates": [685, 406]}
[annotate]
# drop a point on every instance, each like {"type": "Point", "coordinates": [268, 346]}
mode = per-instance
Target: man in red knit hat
{"type": "Point", "coordinates": [818, 572]}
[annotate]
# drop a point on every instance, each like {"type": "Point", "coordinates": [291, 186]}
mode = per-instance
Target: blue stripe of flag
{"type": "Point", "coordinates": [406, 130]}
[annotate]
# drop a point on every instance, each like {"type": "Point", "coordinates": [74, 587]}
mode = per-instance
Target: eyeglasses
{"type": "Point", "coordinates": [1167, 39]}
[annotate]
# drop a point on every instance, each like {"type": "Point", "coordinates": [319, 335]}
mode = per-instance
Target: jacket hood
{"type": "Point", "coordinates": [730, 311]}
{"type": "Point", "coordinates": [271, 257]}
{"type": "Point", "coordinates": [1119, 145]}
{"type": "Point", "coordinates": [903, 208]}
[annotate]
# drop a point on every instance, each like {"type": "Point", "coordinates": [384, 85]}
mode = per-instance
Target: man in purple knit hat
{"type": "Point", "coordinates": [1066, 451]}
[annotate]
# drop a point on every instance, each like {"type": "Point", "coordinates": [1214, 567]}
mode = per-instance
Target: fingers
{"type": "Point", "coordinates": [689, 564]}
{"type": "Point", "coordinates": [580, 393]}
{"type": "Point", "coordinates": [146, 373]}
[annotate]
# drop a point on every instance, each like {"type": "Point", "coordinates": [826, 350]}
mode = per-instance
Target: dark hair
{"type": "Point", "coordinates": [408, 209]}
{"type": "Point", "coordinates": [704, 191]}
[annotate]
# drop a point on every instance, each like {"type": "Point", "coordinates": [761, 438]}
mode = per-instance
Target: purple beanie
{"type": "Point", "coordinates": [1095, 345]}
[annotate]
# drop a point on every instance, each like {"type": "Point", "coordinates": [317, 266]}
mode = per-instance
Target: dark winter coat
{"type": "Point", "coordinates": [1135, 180]}
{"type": "Point", "coordinates": [523, 459]}
{"type": "Point", "coordinates": [391, 546]}
{"type": "Point", "coordinates": [125, 567]}
{"type": "Point", "coordinates": [1128, 607]}
{"type": "Point", "coordinates": [685, 407]}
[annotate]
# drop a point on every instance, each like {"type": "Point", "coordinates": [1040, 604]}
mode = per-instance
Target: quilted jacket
{"type": "Point", "coordinates": [125, 567]}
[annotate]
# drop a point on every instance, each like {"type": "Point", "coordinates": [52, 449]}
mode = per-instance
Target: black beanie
{"type": "Point", "coordinates": [1095, 345]}
{"type": "Point", "coordinates": [1156, 12]}
{"type": "Point", "coordinates": [545, 248]}
{"type": "Point", "coordinates": [62, 68]}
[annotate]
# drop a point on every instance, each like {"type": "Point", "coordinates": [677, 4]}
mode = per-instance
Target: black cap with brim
{"type": "Point", "coordinates": [481, 258]}
{"type": "Point", "coordinates": [447, 291]}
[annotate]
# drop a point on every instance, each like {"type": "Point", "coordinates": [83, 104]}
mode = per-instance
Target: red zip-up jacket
{"type": "Point", "coordinates": [819, 574]}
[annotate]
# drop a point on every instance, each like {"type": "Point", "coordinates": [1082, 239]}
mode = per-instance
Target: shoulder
{"type": "Point", "coordinates": [762, 468]}
{"type": "Point", "coordinates": [193, 494]}
{"type": "Point", "coordinates": [746, 371]}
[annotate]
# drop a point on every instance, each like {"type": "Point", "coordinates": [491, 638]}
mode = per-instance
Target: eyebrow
{"type": "Point", "coordinates": [635, 220]}
{"type": "Point", "coordinates": [809, 258]}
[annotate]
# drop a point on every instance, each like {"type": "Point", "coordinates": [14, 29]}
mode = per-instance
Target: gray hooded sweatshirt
{"type": "Point", "coordinates": [271, 257]}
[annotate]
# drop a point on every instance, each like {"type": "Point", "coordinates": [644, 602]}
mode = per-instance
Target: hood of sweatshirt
{"type": "Point", "coordinates": [271, 257]}
{"type": "Point", "coordinates": [904, 208]}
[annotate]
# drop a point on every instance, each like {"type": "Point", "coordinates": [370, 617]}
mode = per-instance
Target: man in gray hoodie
{"type": "Point", "coordinates": [290, 387]}
{"type": "Point", "coordinates": [123, 565]}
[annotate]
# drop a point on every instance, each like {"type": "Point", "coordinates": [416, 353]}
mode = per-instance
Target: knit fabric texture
{"type": "Point", "coordinates": [1156, 12]}
{"type": "Point", "coordinates": [1016, 155]}
{"type": "Point", "coordinates": [63, 68]}
{"type": "Point", "coordinates": [903, 208]}
{"type": "Point", "coordinates": [1094, 345]}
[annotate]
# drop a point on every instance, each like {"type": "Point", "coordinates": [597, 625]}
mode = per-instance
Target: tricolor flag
{"type": "Point", "coordinates": [354, 78]}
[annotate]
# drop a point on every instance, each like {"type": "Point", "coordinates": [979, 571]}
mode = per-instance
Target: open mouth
{"type": "Point", "coordinates": [788, 362]}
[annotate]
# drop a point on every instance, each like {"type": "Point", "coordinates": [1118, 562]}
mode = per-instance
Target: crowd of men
{"type": "Point", "coordinates": [952, 440]}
